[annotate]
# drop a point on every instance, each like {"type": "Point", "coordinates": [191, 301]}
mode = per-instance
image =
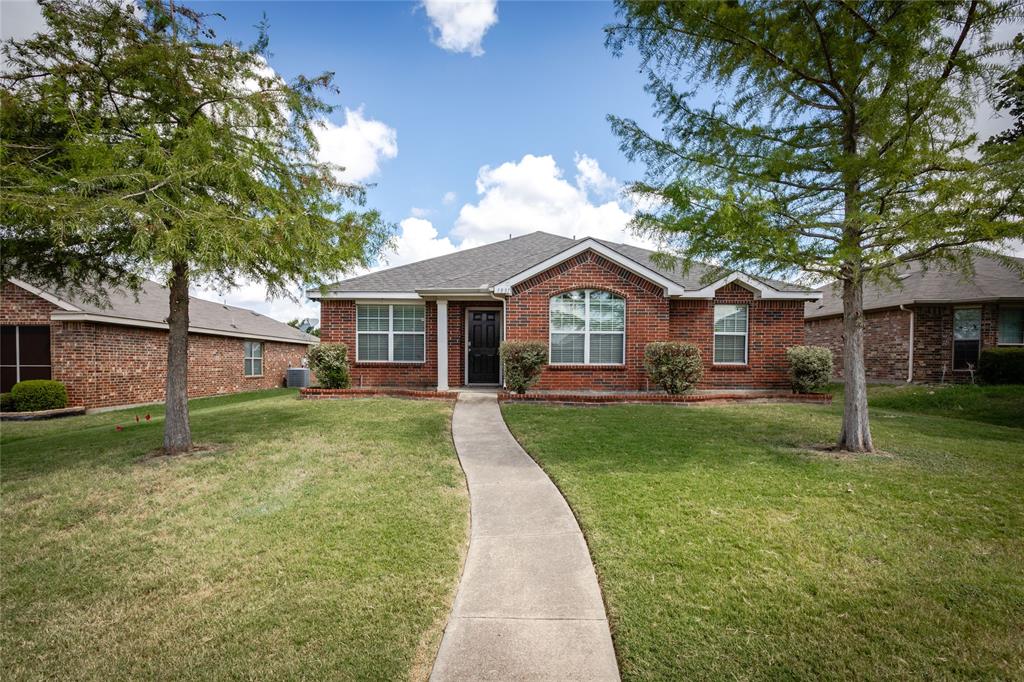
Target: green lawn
{"type": "Point", "coordinates": [1002, 405]}
{"type": "Point", "coordinates": [726, 550]}
{"type": "Point", "coordinates": [319, 540]}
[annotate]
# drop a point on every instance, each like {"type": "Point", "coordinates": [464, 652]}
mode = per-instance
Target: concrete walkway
{"type": "Point", "coordinates": [528, 606]}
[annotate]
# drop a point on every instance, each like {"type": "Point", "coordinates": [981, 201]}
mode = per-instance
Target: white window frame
{"type": "Point", "coordinates": [586, 329]}
{"type": "Point", "coordinates": [246, 346]}
{"type": "Point", "coordinates": [745, 334]}
{"type": "Point", "coordinates": [391, 335]}
{"type": "Point", "coordinates": [999, 324]}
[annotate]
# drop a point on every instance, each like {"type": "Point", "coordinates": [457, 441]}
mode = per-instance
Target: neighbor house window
{"type": "Point", "coordinates": [253, 358]}
{"type": "Point", "coordinates": [730, 335]}
{"type": "Point", "coordinates": [1011, 326]}
{"type": "Point", "coordinates": [966, 337]}
{"type": "Point", "coordinates": [588, 327]}
{"type": "Point", "coordinates": [390, 333]}
{"type": "Point", "coordinates": [24, 354]}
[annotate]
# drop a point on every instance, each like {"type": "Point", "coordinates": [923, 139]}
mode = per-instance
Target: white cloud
{"type": "Point", "coordinates": [417, 240]}
{"type": "Point", "coordinates": [449, 198]}
{"type": "Point", "coordinates": [532, 194]}
{"type": "Point", "coordinates": [590, 178]}
{"type": "Point", "coordinates": [459, 26]}
{"type": "Point", "coordinates": [358, 146]}
{"type": "Point", "coordinates": [418, 212]}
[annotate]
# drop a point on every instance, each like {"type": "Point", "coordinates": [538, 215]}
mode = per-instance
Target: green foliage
{"type": "Point", "coordinates": [841, 141]}
{"type": "Point", "coordinates": [522, 362]}
{"type": "Point", "coordinates": [156, 143]}
{"type": "Point", "coordinates": [1002, 366]}
{"type": "Point", "coordinates": [810, 368]}
{"type": "Point", "coordinates": [39, 394]}
{"type": "Point", "coordinates": [676, 367]}
{"type": "Point", "coordinates": [6, 402]}
{"type": "Point", "coordinates": [329, 361]}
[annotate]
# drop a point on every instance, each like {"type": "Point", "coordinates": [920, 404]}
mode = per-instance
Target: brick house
{"type": "Point", "coordinates": [595, 304]}
{"type": "Point", "coordinates": [117, 354]}
{"type": "Point", "coordinates": [929, 326]}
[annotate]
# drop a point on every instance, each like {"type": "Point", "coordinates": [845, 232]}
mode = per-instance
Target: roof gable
{"type": "Point", "coordinates": [493, 269]}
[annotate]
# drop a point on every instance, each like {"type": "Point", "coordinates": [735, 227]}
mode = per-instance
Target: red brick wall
{"type": "Point", "coordinates": [772, 327]}
{"type": "Point", "coordinates": [647, 318]}
{"type": "Point", "coordinates": [104, 365]}
{"type": "Point", "coordinates": [886, 341]}
{"type": "Point", "coordinates": [338, 325]}
{"type": "Point", "coordinates": [933, 341]}
{"type": "Point", "coordinates": [887, 337]}
{"type": "Point", "coordinates": [18, 306]}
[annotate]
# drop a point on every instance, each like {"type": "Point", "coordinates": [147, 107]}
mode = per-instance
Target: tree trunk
{"type": "Point", "coordinates": [856, 434]}
{"type": "Point", "coordinates": [177, 432]}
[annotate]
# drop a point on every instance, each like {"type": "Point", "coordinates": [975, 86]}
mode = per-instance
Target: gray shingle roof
{"type": "Point", "coordinates": [151, 305]}
{"type": "Point", "coordinates": [485, 266]}
{"type": "Point", "coordinates": [991, 280]}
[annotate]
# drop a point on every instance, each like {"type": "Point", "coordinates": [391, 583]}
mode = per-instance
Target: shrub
{"type": "Point", "coordinates": [329, 361]}
{"type": "Point", "coordinates": [522, 362]}
{"type": "Point", "coordinates": [39, 394]}
{"type": "Point", "coordinates": [676, 367]}
{"type": "Point", "coordinates": [1002, 366]}
{"type": "Point", "coordinates": [810, 368]}
{"type": "Point", "coordinates": [6, 402]}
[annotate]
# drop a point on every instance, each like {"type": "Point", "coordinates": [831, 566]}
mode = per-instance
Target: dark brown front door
{"type": "Point", "coordinates": [484, 336]}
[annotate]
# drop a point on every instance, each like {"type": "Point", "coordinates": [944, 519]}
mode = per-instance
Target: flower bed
{"type": "Point", "coordinates": [600, 398]}
{"type": "Point", "coordinates": [344, 393]}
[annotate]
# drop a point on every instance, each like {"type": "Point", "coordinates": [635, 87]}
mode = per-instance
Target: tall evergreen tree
{"type": "Point", "coordinates": [134, 141]}
{"type": "Point", "coordinates": [839, 144]}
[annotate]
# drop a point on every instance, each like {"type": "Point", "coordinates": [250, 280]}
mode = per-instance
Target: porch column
{"type": "Point", "coordinates": [442, 345]}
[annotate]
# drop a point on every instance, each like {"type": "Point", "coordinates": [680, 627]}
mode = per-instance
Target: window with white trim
{"type": "Point", "coordinates": [1011, 326]}
{"type": "Point", "coordinates": [253, 358]}
{"type": "Point", "coordinates": [588, 327]}
{"type": "Point", "coordinates": [730, 335]}
{"type": "Point", "coordinates": [390, 333]}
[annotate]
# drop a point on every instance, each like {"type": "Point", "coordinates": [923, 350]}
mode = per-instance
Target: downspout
{"type": "Point", "coordinates": [910, 346]}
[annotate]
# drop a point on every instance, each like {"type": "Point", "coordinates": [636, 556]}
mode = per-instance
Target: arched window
{"type": "Point", "coordinates": [588, 327]}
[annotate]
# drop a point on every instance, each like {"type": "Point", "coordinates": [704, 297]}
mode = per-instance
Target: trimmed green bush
{"type": "Point", "coordinates": [39, 394]}
{"type": "Point", "coordinates": [676, 367]}
{"type": "Point", "coordinates": [6, 402]}
{"type": "Point", "coordinates": [810, 368]}
{"type": "Point", "coordinates": [522, 362]}
{"type": "Point", "coordinates": [1002, 365]}
{"type": "Point", "coordinates": [329, 361]}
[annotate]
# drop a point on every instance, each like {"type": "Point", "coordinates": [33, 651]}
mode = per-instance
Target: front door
{"type": "Point", "coordinates": [483, 336]}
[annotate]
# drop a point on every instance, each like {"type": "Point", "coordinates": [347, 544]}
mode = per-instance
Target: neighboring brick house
{"type": "Point", "coordinates": [929, 326]}
{"type": "Point", "coordinates": [117, 354]}
{"type": "Point", "coordinates": [595, 304]}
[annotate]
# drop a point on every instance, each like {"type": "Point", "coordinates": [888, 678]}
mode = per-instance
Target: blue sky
{"type": "Point", "coordinates": [471, 120]}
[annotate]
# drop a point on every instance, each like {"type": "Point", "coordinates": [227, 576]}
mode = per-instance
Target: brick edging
{"type": "Point", "coordinates": [604, 398]}
{"type": "Point", "coordinates": [343, 393]}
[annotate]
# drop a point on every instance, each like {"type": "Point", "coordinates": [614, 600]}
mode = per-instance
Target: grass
{"type": "Point", "coordinates": [317, 540]}
{"type": "Point", "coordinates": [1001, 405]}
{"type": "Point", "coordinates": [728, 550]}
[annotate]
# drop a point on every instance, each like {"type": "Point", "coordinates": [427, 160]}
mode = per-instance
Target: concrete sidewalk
{"type": "Point", "coordinates": [528, 606]}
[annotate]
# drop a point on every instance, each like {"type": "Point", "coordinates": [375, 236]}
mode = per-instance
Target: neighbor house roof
{"type": "Point", "coordinates": [149, 308]}
{"type": "Point", "coordinates": [992, 280]}
{"type": "Point", "coordinates": [493, 267]}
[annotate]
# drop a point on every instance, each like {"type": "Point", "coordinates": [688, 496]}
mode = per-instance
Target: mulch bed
{"type": "Point", "coordinates": [605, 398]}
{"type": "Point", "coordinates": [344, 393]}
